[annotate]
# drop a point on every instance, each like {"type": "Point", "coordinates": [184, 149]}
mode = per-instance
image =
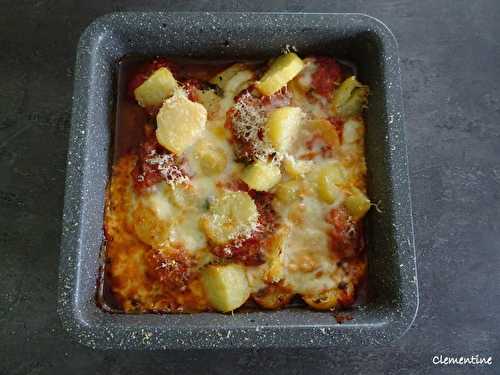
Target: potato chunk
{"type": "Point", "coordinates": [282, 127]}
{"type": "Point", "coordinates": [233, 79]}
{"type": "Point", "coordinates": [231, 214]}
{"type": "Point", "coordinates": [289, 191]}
{"type": "Point", "coordinates": [329, 178]}
{"type": "Point", "coordinates": [226, 286]}
{"type": "Point", "coordinates": [158, 87]}
{"type": "Point", "coordinates": [261, 176]}
{"type": "Point", "coordinates": [226, 75]}
{"type": "Point", "coordinates": [357, 204]}
{"type": "Point", "coordinates": [211, 158]}
{"type": "Point", "coordinates": [210, 100]}
{"type": "Point", "coordinates": [149, 226]}
{"type": "Point", "coordinates": [282, 70]}
{"type": "Point", "coordinates": [350, 98]}
{"type": "Point", "coordinates": [329, 192]}
{"type": "Point", "coordinates": [297, 168]}
{"type": "Point", "coordinates": [239, 82]}
{"type": "Point", "coordinates": [326, 130]}
{"type": "Point", "coordinates": [355, 104]}
{"type": "Point", "coordinates": [180, 123]}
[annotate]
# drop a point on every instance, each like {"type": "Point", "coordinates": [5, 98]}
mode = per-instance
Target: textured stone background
{"type": "Point", "coordinates": [450, 54]}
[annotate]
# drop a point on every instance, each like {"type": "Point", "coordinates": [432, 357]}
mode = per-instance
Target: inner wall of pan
{"type": "Point", "coordinates": [364, 50]}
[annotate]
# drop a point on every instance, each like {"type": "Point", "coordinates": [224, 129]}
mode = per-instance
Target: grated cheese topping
{"type": "Point", "coordinates": [172, 173]}
{"type": "Point", "coordinates": [249, 124]}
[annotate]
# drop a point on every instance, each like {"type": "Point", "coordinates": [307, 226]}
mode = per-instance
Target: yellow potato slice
{"type": "Point", "coordinates": [210, 100]}
{"type": "Point", "coordinates": [357, 204]}
{"type": "Point", "coordinates": [326, 130]}
{"type": "Point", "coordinates": [158, 87]}
{"type": "Point", "coordinates": [282, 70]}
{"type": "Point", "coordinates": [211, 158]}
{"type": "Point", "coordinates": [329, 192]}
{"type": "Point", "coordinates": [181, 196]}
{"type": "Point", "coordinates": [232, 81]}
{"type": "Point", "coordinates": [226, 286]}
{"type": "Point", "coordinates": [289, 191]}
{"type": "Point", "coordinates": [261, 176]}
{"type": "Point", "coordinates": [350, 98]}
{"type": "Point", "coordinates": [180, 123]}
{"type": "Point", "coordinates": [282, 127]}
{"type": "Point", "coordinates": [231, 214]}
{"type": "Point", "coordinates": [222, 79]}
{"type": "Point", "coordinates": [238, 83]}
{"type": "Point", "coordinates": [149, 226]}
{"type": "Point", "coordinates": [328, 179]}
{"type": "Point", "coordinates": [297, 168]}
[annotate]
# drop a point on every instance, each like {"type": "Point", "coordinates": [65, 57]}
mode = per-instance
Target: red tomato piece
{"type": "Point", "coordinates": [327, 75]}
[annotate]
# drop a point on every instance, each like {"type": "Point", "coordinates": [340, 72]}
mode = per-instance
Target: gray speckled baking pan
{"type": "Point", "coordinates": [392, 282]}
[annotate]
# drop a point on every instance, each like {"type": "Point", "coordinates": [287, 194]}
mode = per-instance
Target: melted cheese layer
{"type": "Point", "coordinates": [298, 259]}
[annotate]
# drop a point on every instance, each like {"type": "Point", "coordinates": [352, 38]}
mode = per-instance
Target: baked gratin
{"type": "Point", "coordinates": [237, 184]}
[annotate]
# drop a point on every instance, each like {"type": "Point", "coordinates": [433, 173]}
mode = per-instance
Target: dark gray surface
{"type": "Point", "coordinates": [450, 53]}
{"type": "Point", "coordinates": [360, 39]}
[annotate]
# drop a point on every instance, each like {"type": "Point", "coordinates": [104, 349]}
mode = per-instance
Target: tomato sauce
{"type": "Point", "coordinates": [327, 76]}
{"type": "Point", "coordinates": [173, 270]}
{"type": "Point", "coordinates": [147, 171]}
{"type": "Point", "coordinates": [347, 237]}
{"type": "Point", "coordinates": [251, 251]}
{"type": "Point", "coordinates": [246, 150]}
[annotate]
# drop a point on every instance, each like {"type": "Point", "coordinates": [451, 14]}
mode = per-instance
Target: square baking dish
{"type": "Point", "coordinates": [392, 284]}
